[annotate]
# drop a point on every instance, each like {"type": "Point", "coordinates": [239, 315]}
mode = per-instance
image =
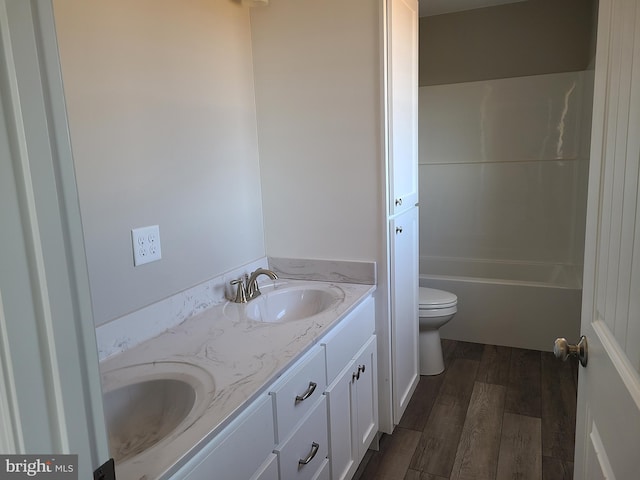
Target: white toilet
{"type": "Point", "coordinates": [436, 307]}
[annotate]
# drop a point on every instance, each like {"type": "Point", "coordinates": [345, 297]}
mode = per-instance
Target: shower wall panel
{"type": "Point", "coordinates": [502, 168]}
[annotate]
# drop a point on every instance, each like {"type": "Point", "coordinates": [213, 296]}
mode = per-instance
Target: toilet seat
{"type": "Point", "coordinates": [432, 299]}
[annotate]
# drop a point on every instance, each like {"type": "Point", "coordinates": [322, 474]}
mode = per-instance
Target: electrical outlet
{"type": "Point", "coordinates": [146, 245]}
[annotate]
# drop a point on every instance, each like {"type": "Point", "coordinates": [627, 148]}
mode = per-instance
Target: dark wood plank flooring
{"type": "Point", "coordinates": [496, 413]}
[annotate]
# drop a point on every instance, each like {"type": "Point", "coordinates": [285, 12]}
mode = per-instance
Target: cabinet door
{"type": "Point", "coordinates": [343, 449]}
{"type": "Point", "coordinates": [366, 396]}
{"type": "Point", "coordinates": [240, 450]}
{"type": "Point", "coordinates": [402, 38]}
{"type": "Point", "coordinates": [404, 308]}
{"type": "Point", "coordinates": [268, 470]}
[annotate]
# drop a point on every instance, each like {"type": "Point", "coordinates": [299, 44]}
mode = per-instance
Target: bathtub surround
{"type": "Point", "coordinates": [503, 169]}
{"type": "Point", "coordinates": [510, 311]}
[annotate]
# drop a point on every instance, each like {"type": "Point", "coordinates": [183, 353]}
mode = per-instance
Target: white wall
{"type": "Point", "coordinates": [503, 168]}
{"type": "Point", "coordinates": [318, 83]}
{"type": "Point", "coordinates": [163, 126]}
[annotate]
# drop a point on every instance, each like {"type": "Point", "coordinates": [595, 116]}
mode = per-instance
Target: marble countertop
{"type": "Point", "coordinates": [234, 360]}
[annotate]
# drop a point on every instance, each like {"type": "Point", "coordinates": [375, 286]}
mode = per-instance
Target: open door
{"type": "Point", "coordinates": [608, 417]}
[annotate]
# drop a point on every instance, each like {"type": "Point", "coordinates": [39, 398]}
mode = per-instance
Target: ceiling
{"type": "Point", "coordinates": [438, 7]}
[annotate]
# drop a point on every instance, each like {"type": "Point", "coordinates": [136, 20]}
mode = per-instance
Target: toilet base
{"type": "Point", "coordinates": [431, 362]}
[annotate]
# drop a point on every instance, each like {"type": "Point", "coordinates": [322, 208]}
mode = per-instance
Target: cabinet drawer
{"type": "Point", "coordinates": [301, 445]}
{"type": "Point", "coordinates": [295, 397]}
{"type": "Point", "coordinates": [343, 342]}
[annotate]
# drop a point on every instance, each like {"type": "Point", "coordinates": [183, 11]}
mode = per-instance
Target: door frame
{"type": "Point", "coordinates": [54, 343]}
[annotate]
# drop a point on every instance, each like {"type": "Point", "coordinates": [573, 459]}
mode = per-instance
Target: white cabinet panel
{"type": "Point", "coordinates": [403, 104]}
{"type": "Point", "coordinates": [404, 308]}
{"type": "Point", "coordinates": [268, 470]}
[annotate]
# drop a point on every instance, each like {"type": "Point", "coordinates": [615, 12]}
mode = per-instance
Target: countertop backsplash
{"type": "Point", "coordinates": [134, 328]}
{"type": "Point", "coordinates": [130, 330]}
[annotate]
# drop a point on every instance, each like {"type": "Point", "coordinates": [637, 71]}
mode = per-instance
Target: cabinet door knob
{"type": "Point", "coordinates": [307, 393]}
{"type": "Point", "coordinates": [355, 375]}
{"type": "Point", "coordinates": [312, 453]}
{"type": "Point", "coordinates": [398, 230]}
{"type": "Point", "coordinates": [398, 202]}
{"type": "Point", "coordinates": [361, 368]}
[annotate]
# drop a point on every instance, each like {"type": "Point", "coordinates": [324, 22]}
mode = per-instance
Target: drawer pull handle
{"type": "Point", "coordinates": [312, 453]}
{"type": "Point", "coordinates": [398, 202]}
{"type": "Point", "coordinates": [307, 394]}
{"type": "Point", "coordinates": [361, 368]}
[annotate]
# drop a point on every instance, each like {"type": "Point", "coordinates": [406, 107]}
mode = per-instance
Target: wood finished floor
{"type": "Point", "coordinates": [496, 413]}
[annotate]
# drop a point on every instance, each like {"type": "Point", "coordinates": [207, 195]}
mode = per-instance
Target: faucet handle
{"type": "Point", "coordinates": [254, 289]}
{"type": "Point", "coordinates": [241, 293]}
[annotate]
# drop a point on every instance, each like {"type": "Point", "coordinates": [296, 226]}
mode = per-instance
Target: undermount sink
{"type": "Point", "coordinates": [289, 303]}
{"type": "Point", "coordinates": [151, 403]}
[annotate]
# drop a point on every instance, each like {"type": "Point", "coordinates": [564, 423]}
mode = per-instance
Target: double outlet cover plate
{"type": "Point", "coordinates": [146, 245]}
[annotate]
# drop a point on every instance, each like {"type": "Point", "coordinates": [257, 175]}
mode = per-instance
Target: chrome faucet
{"type": "Point", "coordinates": [247, 287]}
{"type": "Point", "coordinates": [252, 284]}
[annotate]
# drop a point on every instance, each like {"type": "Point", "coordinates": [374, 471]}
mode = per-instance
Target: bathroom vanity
{"type": "Point", "coordinates": [275, 396]}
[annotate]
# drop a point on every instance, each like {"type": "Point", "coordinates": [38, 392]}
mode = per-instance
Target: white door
{"type": "Point", "coordinates": [608, 418]}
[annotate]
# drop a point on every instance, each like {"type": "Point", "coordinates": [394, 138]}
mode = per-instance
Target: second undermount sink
{"type": "Point", "coordinates": [149, 404]}
{"type": "Point", "coordinates": [289, 303]}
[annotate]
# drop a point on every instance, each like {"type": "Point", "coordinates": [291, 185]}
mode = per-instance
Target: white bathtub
{"type": "Point", "coordinates": [517, 304]}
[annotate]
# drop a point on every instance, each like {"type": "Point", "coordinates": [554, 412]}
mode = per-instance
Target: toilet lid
{"type": "Point", "coordinates": [431, 298]}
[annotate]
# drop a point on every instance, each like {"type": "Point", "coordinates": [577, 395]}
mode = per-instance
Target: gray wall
{"type": "Point", "coordinates": [528, 38]}
{"type": "Point", "coordinates": [163, 127]}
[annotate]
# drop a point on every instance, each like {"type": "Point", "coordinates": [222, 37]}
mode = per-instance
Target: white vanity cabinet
{"type": "Point", "coordinates": [243, 450]}
{"type": "Point", "coordinates": [317, 419]}
{"type": "Point", "coordinates": [352, 394]}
